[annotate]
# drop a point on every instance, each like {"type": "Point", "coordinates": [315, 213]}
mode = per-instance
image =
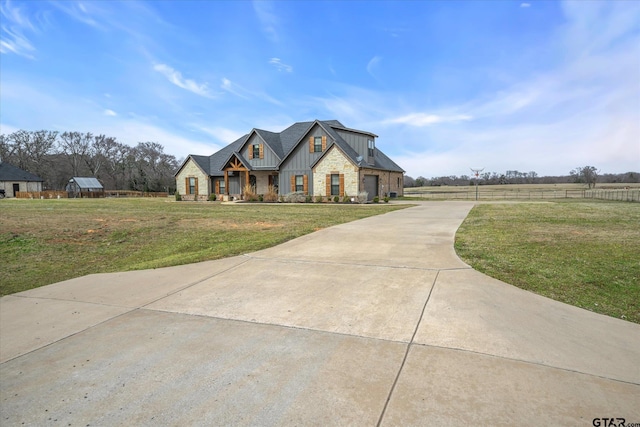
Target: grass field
{"type": "Point", "coordinates": [47, 241]}
{"type": "Point", "coordinates": [581, 253]}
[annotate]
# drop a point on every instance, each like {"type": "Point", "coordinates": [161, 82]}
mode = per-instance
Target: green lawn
{"type": "Point", "coordinates": [582, 253]}
{"type": "Point", "coordinates": [47, 241]}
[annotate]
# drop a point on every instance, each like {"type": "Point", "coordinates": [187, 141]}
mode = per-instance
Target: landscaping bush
{"type": "Point", "coordinates": [346, 199]}
{"type": "Point", "coordinates": [386, 199]}
{"type": "Point", "coordinates": [212, 198]}
{"type": "Point", "coordinates": [336, 199]}
{"type": "Point", "coordinates": [362, 197]}
{"type": "Point", "coordinates": [308, 199]}
{"type": "Point", "coordinates": [271, 194]}
{"type": "Point", "coordinates": [318, 199]}
{"type": "Point", "coordinates": [178, 197]}
{"type": "Point", "coordinates": [260, 197]}
{"type": "Point", "coordinates": [249, 193]}
{"type": "Point", "coordinates": [376, 199]}
{"type": "Point", "coordinates": [296, 197]}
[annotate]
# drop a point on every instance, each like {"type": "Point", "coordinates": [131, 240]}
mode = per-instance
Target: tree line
{"type": "Point", "coordinates": [585, 174]}
{"type": "Point", "coordinates": [56, 157]}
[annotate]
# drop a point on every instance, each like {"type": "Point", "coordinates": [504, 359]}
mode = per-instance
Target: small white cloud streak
{"type": "Point", "coordinates": [525, 5]}
{"type": "Point", "coordinates": [280, 66]}
{"type": "Point", "coordinates": [221, 134]}
{"type": "Point", "coordinates": [241, 92]}
{"type": "Point", "coordinates": [423, 119]}
{"type": "Point", "coordinates": [268, 19]}
{"type": "Point", "coordinates": [110, 113]}
{"type": "Point", "coordinates": [176, 78]}
{"type": "Point", "coordinates": [373, 64]}
{"type": "Point", "coordinates": [12, 38]}
{"type": "Point", "coordinates": [79, 12]}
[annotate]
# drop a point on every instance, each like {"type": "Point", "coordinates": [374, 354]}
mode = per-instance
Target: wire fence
{"type": "Point", "coordinates": [625, 195]}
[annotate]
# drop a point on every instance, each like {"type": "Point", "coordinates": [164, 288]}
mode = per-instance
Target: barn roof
{"type": "Point", "coordinates": [11, 173]}
{"type": "Point", "coordinates": [86, 182]}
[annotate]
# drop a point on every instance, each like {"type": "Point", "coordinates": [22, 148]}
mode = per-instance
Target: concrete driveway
{"type": "Point", "coordinates": [375, 322]}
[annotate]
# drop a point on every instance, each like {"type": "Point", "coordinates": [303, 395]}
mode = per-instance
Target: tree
{"type": "Point", "coordinates": [409, 182]}
{"type": "Point", "coordinates": [75, 145]}
{"type": "Point", "coordinates": [586, 174]}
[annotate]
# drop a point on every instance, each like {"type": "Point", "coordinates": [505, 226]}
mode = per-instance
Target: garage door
{"type": "Point", "coordinates": [371, 186]}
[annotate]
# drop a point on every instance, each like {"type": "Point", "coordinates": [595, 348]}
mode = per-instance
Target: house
{"type": "Point", "coordinates": [14, 179]}
{"type": "Point", "coordinates": [318, 158]}
{"type": "Point", "coordinates": [84, 187]}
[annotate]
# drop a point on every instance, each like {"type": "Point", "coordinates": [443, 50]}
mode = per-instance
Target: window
{"type": "Point", "coordinates": [221, 187]}
{"type": "Point", "coordinates": [192, 186]}
{"type": "Point", "coordinates": [256, 151]}
{"type": "Point", "coordinates": [335, 185]}
{"type": "Point", "coordinates": [299, 183]}
{"type": "Point", "coordinates": [372, 147]}
{"type": "Point", "coordinates": [317, 144]}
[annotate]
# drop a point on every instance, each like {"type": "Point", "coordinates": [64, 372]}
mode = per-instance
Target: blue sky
{"type": "Point", "coordinates": [447, 85]}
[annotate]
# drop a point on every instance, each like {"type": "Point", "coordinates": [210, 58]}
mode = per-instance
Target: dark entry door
{"type": "Point", "coordinates": [371, 186]}
{"type": "Point", "coordinates": [16, 188]}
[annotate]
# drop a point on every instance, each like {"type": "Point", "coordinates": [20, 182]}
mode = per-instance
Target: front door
{"type": "Point", "coordinates": [16, 188]}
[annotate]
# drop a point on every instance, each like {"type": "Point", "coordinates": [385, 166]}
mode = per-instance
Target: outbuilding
{"type": "Point", "coordinates": [88, 187]}
{"type": "Point", "coordinates": [14, 179]}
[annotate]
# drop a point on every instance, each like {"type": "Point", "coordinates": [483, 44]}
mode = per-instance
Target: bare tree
{"type": "Point", "coordinates": [586, 174]}
{"type": "Point", "coordinates": [75, 145]}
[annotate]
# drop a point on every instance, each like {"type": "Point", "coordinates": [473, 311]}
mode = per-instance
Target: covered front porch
{"type": "Point", "coordinates": [237, 173]}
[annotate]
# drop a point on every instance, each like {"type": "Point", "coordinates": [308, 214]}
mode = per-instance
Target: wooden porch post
{"type": "Point", "coordinates": [226, 183]}
{"type": "Point", "coordinates": [246, 176]}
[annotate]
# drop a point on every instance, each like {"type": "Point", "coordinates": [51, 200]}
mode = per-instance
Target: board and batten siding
{"type": "Point", "coordinates": [269, 158]}
{"type": "Point", "coordinates": [357, 141]}
{"type": "Point", "coordinates": [300, 160]}
{"type": "Point", "coordinates": [191, 170]}
{"type": "Point", "coordinates": [335, 162]}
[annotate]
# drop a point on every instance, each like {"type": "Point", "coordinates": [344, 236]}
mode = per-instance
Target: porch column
{"type": "Point", "coordinates": [226, 183]}
{"type": "Point", "coordinates": [246, 176]}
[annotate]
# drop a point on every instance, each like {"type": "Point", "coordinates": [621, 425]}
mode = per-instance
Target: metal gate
{"type": "Point", "coordinates": [371, 186]}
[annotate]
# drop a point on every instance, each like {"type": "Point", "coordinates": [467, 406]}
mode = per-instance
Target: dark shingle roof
{"type": "Point", "coordinates": [11, 173]}
{"type": "Point", "coordinates": [218, 159]}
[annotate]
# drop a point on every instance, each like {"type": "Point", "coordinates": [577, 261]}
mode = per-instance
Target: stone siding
{"type": "Point", "coordinates": [191, 170]}
{"type": "Point", "coordinates": [335, 162]}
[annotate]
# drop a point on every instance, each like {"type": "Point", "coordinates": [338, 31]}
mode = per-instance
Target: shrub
{"type": "Point", "coordinates": [296, 197]}
{"type": "Point", "coordinates": [178, 197]}
{"type": "Point", "coordinates": [271, 195]}
{"type": "Point", "coordinates": [260, 197]}
{"type": "Point", "coordinates": [386, 199]}
{"type": "Point", "coordinates": [308, 199]}
{"type": "Point", "coordinates": [249, 193]}
{"type": "Point", "coordinates": [336, 199]}
{"type": "Point", "coordinates": [376, 199]}
{"type": "Point", "coordinates": [282, 199]}
{"type": "Point", "coordinates": [318, 199]}
{"type": "Point", "coordinates": [212, 198]}
{"type": "Point", "coordinates": [346, 199]}
{"type": "Point", "coordinates": [362, 197]}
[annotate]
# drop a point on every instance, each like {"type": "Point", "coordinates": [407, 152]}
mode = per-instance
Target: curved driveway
{"type": "Point", "coordinates": [374, 322]}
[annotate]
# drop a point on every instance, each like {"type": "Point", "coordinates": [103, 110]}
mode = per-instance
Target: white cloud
{"type": "Point", "coordinates": [525, 4]}
{"type": "Point", "coordinates": [280, 66]}
{"type": "Point", "coordinates": [268, 19]}
{"type": "Point", "coordinates": [12, 30]}
{"type": "Point", "coordinates": [237, 90]}
{"type": "Point", "coordinates": [422, 119]}
{"type": "Point", "coordinates": [80, 12]}
{"type": "Point", "coordinates": [221, 134]}
{"type": "Point", "coordinates": [176, 78]}
{"type": "Point", "coordinates": [373, 64]}
{"type": "Point", "coordinates": [110, 113]}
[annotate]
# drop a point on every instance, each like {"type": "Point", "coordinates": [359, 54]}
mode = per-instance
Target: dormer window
{"type": "Point", "coordinates": [256, 151]}
{"type": "Point", "coordinates": [372, 147]}
{"type": "Point", "coordinates": [317, 144]}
